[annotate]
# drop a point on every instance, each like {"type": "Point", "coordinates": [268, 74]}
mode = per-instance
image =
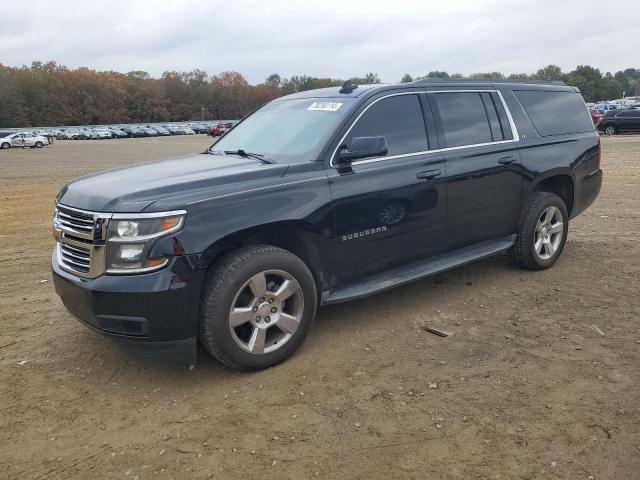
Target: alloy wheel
{"type": "Point", "coordinates": [266, 312]}
{"type": "Point", "coordinates": [548, 233]}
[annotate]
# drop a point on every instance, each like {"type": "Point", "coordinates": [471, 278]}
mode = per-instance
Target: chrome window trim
{"type": "Point", "coordinates": [512, 125]}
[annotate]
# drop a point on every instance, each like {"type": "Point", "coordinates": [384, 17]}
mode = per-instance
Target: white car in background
{"type": "Point", "coordinates": [23, 140]}
{"type": "Point", "coordinates": [103, 133]}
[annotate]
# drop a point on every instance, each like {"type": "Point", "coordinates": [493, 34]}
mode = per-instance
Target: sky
{"type": "Point", "coordinates": [328, 38]}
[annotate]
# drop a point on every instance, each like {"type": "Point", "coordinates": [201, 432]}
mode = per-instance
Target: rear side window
{"type": "Point", "coordinates": [555, 113]}
{"type": "Point", "coordinates": [464, 118]}
{"type": "Point", "coordinates": [399, 119]}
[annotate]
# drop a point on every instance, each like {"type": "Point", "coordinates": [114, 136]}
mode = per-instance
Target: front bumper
{"type": "Point", "coordinates": [154, 314]}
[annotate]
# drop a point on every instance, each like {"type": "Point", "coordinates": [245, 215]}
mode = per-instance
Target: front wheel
{"type": "Point", "coordinates": [257, 307]}
{"type": "Point", "coordinates": [543, 233]}
{"type": "Point", "coordinates": [5, 145]}
{"type": "Point", "coordinates": [610, 130]}
{"type": "Point", "coordinates": [39, 145]}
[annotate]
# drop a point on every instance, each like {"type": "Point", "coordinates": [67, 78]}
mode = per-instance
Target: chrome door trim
{"type": "Point", "coordinates": [512, 125]}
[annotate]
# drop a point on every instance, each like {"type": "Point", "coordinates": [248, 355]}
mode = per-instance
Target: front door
{"type": "Point", "coordinates": [484, 180]}
{"type": "Point", "coordinates": [389, 210]}
{"type": "Point", "coordinates": [17, 140]}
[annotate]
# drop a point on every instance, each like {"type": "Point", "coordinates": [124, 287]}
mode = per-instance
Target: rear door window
{"type": "Point", "coordinates": [555, 113]}
{"type": "Point", "coordinates": [464, 118]}
{"type": "Point", "coordinates": [399, 119]}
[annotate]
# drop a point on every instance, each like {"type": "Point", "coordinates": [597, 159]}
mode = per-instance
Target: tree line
{"type": "Point", "coordinates": [47, 94]}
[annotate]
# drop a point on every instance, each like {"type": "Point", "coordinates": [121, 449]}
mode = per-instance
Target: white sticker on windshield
{"type": "Point", "coordinates": [325, 106]}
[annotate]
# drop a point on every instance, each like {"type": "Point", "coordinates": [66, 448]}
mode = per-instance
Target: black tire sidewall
{"type": "Point", "coordinates": [5, 145]}
{"type": "Point", "coordinates": [217, 303]}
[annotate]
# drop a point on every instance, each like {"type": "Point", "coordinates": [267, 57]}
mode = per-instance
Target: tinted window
{"type": "Point", "coordinates": [489, 107]}
{"type": "Point", "coordinates": [398, 119]}
{"type": "Point", "coordinates": [630, 113]}
{"type": "Point", "coordinates": [555, 113]}
{"type": "Point", "coordinates": [505, 127]}
{"type": "Point", "coordinates": [464, 119]}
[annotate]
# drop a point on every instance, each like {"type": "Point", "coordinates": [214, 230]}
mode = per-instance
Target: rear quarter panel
{"type": "Point", "coordinates": [576, 155]}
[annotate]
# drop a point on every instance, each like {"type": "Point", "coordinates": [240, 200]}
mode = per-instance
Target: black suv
{"type": "Point", "coordinates": [620, 121]}
{"type": "Point", "coordinates": [321, 197]}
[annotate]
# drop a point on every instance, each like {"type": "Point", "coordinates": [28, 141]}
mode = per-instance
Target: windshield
{"type": "Point", "coordinates": [287, 131]}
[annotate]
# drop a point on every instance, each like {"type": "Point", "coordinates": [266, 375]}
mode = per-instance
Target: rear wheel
{"type": "Point", "coordinates": [543, 233]}
{"type": "Point", "coordinates": [610, 130]}
{"type": "Point", "coordinates": [258, 305]}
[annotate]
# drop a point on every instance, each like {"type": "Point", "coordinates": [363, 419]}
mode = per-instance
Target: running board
{"type": "Point", "coordinates": [397, 276]}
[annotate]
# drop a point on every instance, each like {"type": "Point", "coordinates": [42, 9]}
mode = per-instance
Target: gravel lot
{"type": "Point", "coordinates": [538, 380]}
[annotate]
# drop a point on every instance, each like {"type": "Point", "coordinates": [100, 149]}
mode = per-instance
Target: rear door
{"type": "Point", "coordinates": [629, 120]}
{"type": "Point", "coordinates": [29, 139]}
{"type": "Point", "coordinates": [389, 210]}
{"type": "Point", "coordinates": [484, 181]}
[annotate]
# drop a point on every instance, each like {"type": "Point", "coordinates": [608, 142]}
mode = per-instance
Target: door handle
{"type": "Point", "coordinates": [428, 174]}
{"type": "Point", "coordinates": [507, 160]}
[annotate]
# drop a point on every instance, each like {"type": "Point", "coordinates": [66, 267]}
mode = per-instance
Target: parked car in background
{"type": "Point", "coordinates": [133, 131]}
{"type": "Point", "coordinates": [199, 127]}
{"type": "Point", "coordinates": [23, 140]}
{"type": "Point", "coordinates": [92, 134]}
{"type": "Point", "coordinates": [149, 132]}
{"type": "Point", "coordinates": [220, 129]}
{"type": "Point", "coordinates": [163, 132]}
{"type": "Point", "coordinates": [596, 116]}
{"type": "Point", "coordinates": [186, 130]}
{"type": "Point", "coordinates": [173, 129]}
{"type": "Point", "coordinates": [62, 134]}
{"type": "Point", "coordinates": [118, 133]}
{"type": "Point", "coordinates": [103, 133]}
{"type": "Point", "coordinates": [80, 134]}
{"type": "Point", "coordinates": [620, 121]}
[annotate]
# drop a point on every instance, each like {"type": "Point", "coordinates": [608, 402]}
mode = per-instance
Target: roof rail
{"type": "Point", "coordinates": [489, 80]}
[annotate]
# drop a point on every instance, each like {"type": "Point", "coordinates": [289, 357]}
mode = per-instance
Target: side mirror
{"type": "Point", "coordinates": [363, 147]}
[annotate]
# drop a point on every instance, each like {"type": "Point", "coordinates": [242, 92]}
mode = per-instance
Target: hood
{"type": "Point", "coordinates": [132, 189]}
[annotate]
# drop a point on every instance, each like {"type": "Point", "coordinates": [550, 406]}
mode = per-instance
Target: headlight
{"type": "Point", "coordinates": [130, 238]}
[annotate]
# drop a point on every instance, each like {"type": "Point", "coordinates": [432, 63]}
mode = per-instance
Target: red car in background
{"type": "Point", "coordinates": [220, 129]}
{"type": "Point", "coordinates": [596, 116]}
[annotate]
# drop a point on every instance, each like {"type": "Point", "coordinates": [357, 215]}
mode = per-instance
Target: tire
{"type": "Point", "coordinates": [230, 285]}
{"type": "Point", "coordinates": [610, 130]}
{"type": "Point", "coordinates": [38, 145]}
{"type": "Point", "coordinates": [541, 238]}
{"type": "Point", "coordinates": [5, 145]}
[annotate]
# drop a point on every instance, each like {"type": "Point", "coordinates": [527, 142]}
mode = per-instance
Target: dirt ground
{"type": "Point", "coordinates": [539, 378]}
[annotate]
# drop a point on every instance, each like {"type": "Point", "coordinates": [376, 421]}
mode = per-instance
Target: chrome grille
{"type": "Point", "coordinates": [77, 258]}
{"type": "Point", "coordinates": [81, 237]}
{"type": "Point", "coordinates": [77, 222]}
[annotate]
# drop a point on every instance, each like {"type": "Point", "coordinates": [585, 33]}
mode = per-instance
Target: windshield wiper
{"type": "Point", "coordinates": [242, 153]}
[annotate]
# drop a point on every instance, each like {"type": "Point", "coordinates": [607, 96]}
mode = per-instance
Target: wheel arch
{"type": "Point", "coordinates": [294, 236]}
{"type": "Point", "coordinates": [560, 183]}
